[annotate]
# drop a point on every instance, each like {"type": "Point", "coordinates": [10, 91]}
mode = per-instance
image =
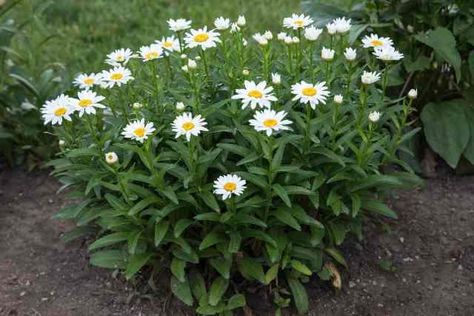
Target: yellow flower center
{"type": "Point", "coordinates": [85, 103]}
{"type": "Point", "coordinates": [188, 126]}
{"type": "Point", "coordinates": [376, 43]}
{"type": "Point", "coordinates": [270, 122]}
{"type": "Point", "coordinates": [110, 157]}
{"type": "Point", "coordinates": [168, 44]}
{"type": "Point", "coordinates": [151, 55]}
{"type": "Point", "coordinates": [139, 132]}
{"type": "Point", "coordinates": [120, 58]}
{"type": "Point", "coordinates": [201, 37]}
{"type": "Point", "coordinates": [116, 76]}
{"type": "Point", "coordinates": [89, 81]}
{"type": "Point", "coordinates": [60, 111]}
{"type": "Point", "coordinates": [299, 23]}
{"type": "Point", "coordinates": [230, 186]}
{"type": "Point", "coordinates": [309, 91]}
{"type": "Point", "coordinates": [255, 94]}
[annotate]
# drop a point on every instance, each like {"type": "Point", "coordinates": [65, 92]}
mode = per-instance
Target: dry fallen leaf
{"type": "Point", "coordinates": [336, 277]}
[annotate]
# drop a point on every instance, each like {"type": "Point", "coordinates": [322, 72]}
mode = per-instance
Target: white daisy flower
{"type": "Point", "coordinates": [187, 125]}
{"type": "Point", "coordinates": [387, 53]}
{"type": "Point", "coordinates": [374, 116]}
{"type": "Point", "coordinates": [413, 93]}
{"type": "Point", "coordinates": [228, 185]}
{"type": "Point", "coordinates": [297, 21]}
{"type": "Point", "coordinates": [350, 54]}
{"type": "Point", "coordinates": [179, 24]}
{"type": "Point", "coordinates": [338, 98]}
{"type": "Point", "coordinates": [119, 57]}
{"type": "Point", "coordinates": [327, 54]}
{"type": "Point", "coordinates": [222, 23]}
{"type": "Point", "coordinates": [310, 93]}
{"type": "Point", "coordinates": [86, 81]}
{"type": "Point", "coordinates": [151, 52]}
{"type": "Point", "coordinates": [169, 44]}
{"type": "Point", "coordinates": [342, 25]}
{"type": "Point", "coordinates": [241, 21]}
{"type": "Point", "coordinates": [54, 111]}
{"type": "Point", "coordinates": [202, 37]}
{"type": "Point", "coordinates": [111, 158]}
{"type": "Point", "coordinates": [370, 77]}
{"type": "Point", "coordinates": [276, 78]}
{"type": "Point", "coordinates": [87, 101]}
{"type": "Point", "coordinates": [332, 28]}
{"type": "Point", "coordinates": [311, 33]}
{"type": "Point", "coordinates": [116, 76]}
{"type": "Point", "coordinates": [269, 121]}
{"type": "Point", "coordinates": [138, 130]}
{"type": "Point", "coordinates": [373, 40]}
{"type": "Point", "coordinates": [255, 94]}
{"type": "Point", "coordinates": [260, 39]}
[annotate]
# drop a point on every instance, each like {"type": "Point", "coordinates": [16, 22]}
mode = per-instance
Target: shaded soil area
{"type": "Point", "coordinates": [421, 264]}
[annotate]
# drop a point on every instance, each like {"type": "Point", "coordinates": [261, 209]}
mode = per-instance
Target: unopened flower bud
{"type": "Point", "coordinates": [61, 142]}
{"type": "Point", "coordinates": [192, 64]}
{"type": "Point", "coordinates": [241, 21]}
{"type": "Point", "coordinates": [276, 78]}
{"type": "Point", "coordinates": [183, 56]}
{"type": "Point", "coordinates": [180, 106]}
{"type": "Point", "coordinates": [137, 105]}
{"type": "Point", "coordinates": [111, 157]}
{"type": "Point", "coordinates": [245, 72]}
{"type": "Point", "coordinates": [374, 116]}
{"type": "Point", "coordinates": [338, 98]}
{"type": "Point", "coordinates": [412, 94]}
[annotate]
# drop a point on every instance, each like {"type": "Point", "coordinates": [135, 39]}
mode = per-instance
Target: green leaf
{"type": "Point", "coordinates": [111, 259]}
{"type": "Point", "coordinates": [77, 232]}
{"type": "Point", "coordinates": [236, 301]}
{"type": "Point", "coordinates": [108, 240]}
{"type": "Point", "coordinates": [446, 129]}
{"type": "Point", "coordinates": [210, 200]}
{"type": "Point", "coordinates": [211, 239]}
{"type": "Point", "coordinates": [135, 263]}
{"type": "Point", "coordinates": [300, 267]}
{"type": "Point", "coordinates": [222, 265]}
{"type": "Point", "coordinates": [178, 269]}
{"type": "Point", "coordinates": [272, 273]}
{"type": "Point", "coordinates": [379, 208]}
{"type": "Point", "coordinates": [217, 290]}
{"type": "Point", "coordinates": [469, 151]}
{"type": "Point", "coordinates": [161, 228]}
{"type": "Point", "coordinates": [133, 241]}
{"type": "Point", "coordinates": [251, 269]}
{"type": "Point", "coordinates": [280, 191]}
{"type": "Point", "coordinates": [198, 285]}
{"type": "Point", "coordinates": [443, 43]}
{"type": "Point", "coordinates": [234, 242]}
{"type": "Point", "coordinates": [300, 297]}
{"type": "Point", "coordinates": [284, 216]}
{"type": "Point", "coordinates": [181, 226]}
{"type": "Point", "coordinates": [182, 291]}
{"type": "Point", "coordinates": [142, 204]}
{"type": "Point", "coordinates": [336, 254]}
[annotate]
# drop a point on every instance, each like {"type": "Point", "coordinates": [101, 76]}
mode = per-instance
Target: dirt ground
{"type": "Point", "coordinates": [422, 264]}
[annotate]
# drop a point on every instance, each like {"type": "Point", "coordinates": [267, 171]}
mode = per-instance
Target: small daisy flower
{"type": "Point", "coordinates": [138, 130]}
{"type": "Point", "coordinates": [169, 44]}
{"type": "Point", "coordinates": [234, 28]}
{"type": "Point", "coordinates": [268, 35]}
{"type": "Point", "coordinates": [311, 33]}
{"type": "Point", "coordinates": [413, 94]}
{"type": "Point", "coordinates": [350, 54]}
{"type": "Point", "coordinates": [54, 111]}
{"type": "Point", "coordinates": [338, 98]}
{"type": "Point", "coordinates": [269, 121]}
{"type": "Point", "coordinates": [87, 81]}
{"type": "Point", "coordinates": [179, 25]}
{"type": "Point", "coordinates": [255, 94]}
{"type": "Point", "coordinates": [342, 25]}
{"type": "Point", "coordinates": [202, 37]}
{"type": "Point", "coordinates": [373, 40]}
{"type": "Point", "coordinates": [228, 185]}
{"type": "Point", "coordinates": [310, 93]}
{"type": "Point", "coordinates": [87, 101]}
{"type": "Point", "coordinates": [151, 52]}
{"type": "Point", "coordinates": [260, 39]}
{"type": "Point", "coordinates": [327, 54]}
{"type": "Point", "coordinates": [387, 53]}
{"type": "Point", "coordinates": [111, 158]}
{"type": "Point", "coordinates": [222, 23]}
{"type": "Point", "coordinates": [187, 125]}
{"type": "Point", "coordinates": [116, 76]}
{"type": "Point", "coordinates": [332, 28]}
{"type": "Point", "coordinates": [241, 21]}
{"type": "Point", "coordinates": [370, 77]}
{"type": "Point", "coordinates": [297, 21]}
{"type": "Point", "coordinates": [374, 116]}
{"type": "Point", "coordinates": [282, 36]}
{"type": "Point", "coordinates": [119, 57]}
{"type": "Point", "coordinates": [276, 78]}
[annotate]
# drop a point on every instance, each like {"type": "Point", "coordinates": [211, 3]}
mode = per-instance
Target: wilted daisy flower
{"type": "Point", "coordinates": [244, 42]}
{"type": "Point", "coordinates": [350, 54]}
{"type": "Point", "coordinates": [169, 44]}
{"type": "Point", "coordinates": [119, 57]}
{"type": "Point", "coordinates": [310, 93]}
{"type": "Point", "coordinates": [222, 23]}
{"type": "Point", "coordinates": [180, 106]}
{"type": "Point", "coordinates": [387, 53]}
{"type": "Point", "coordinates": [192, 64]}
{"type": "Point", "coordinates": [137, 105]}
{"type": "Point", "coordinates": [202, 37]}
{"type": "Point", "coordinates": [241, 21]}
{"type": "Point", "coordinates": [255, 94]}
{"type": "Point", "coordinates": [332, 28]}
{"type": "Point", "coordinates": [116, 76]}
{"type": "Point", "coordinates": [86, 81]}
{"type": "Point", "coordinates": [234, 28]}
{"type": "Point", "coordinates": [295, 40]}
{"type": "Point", "coordinates": [138, 130]}
{"type": "Point", "coordinates": [297, 21]}
{"type": "Point", "coordinates": [281, 36]}
{"type": "Point", "coordinates": [311, 33]}
{"type": "Point", "coordinates": [228, 185]}
{"type": "Point", "coordinates": [373, 40]}
{"type": "Point", "coordinates": [369, 77]}
{"type": "Point", "coordinates": [327, 54]}
{"type": "Point", "coordinates": [268, 35]}
{"type": "Point", "coordinates": [151, 52]}
{"type": "Point", "coordinates": [187, 125]}
{"type": "Point", "coordinates": [111, 158]}
{"type": "Point", "coordinates": [374, 116]}
{"type": "Point", "coordinates": [338, 98]}
{"type": "Point", "coordinates": [342, 25]}
{"type": "Point", "coordinates": [55, 110]}
{"type": "Point", "coordinates": [179, 24]}
{"type": "Point", "coordinates": [413, 93]}
{"type": "Point", "coordinates": [276, 78]}
{"type": "Point", "coordinates": [288, 40]}
{"type": "Point", "coordinates": [260, 39]}
{"type": "Point", "coordinates": [269, 121]}
{"type": "Point", "coordinates": [87, 101]}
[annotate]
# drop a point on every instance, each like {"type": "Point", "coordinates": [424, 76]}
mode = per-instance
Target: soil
{"type": "Point", "coordinates": [420, 264]}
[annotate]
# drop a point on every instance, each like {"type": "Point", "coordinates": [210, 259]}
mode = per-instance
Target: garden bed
{"type": "Point", "coordinates": [430, 250]}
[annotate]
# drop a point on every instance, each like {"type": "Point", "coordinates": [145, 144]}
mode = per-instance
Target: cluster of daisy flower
{"type": "Point", "coordinates": [256, 95]}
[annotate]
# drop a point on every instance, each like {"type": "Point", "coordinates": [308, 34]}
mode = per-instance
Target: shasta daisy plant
{"type": "Point", "coordinates": [223, 157]}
